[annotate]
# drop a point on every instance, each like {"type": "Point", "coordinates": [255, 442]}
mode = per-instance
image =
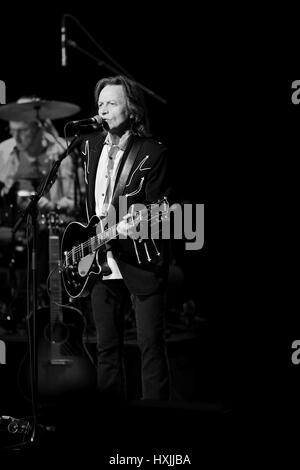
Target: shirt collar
{"type": "Point", "coordinates": [122, 143]}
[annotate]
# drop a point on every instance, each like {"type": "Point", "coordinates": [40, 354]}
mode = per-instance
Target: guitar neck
{"type": "Point", "coordinates": [103, 237]}
{"type": "Point", "coordinates": [55, 281]}
{"type": "Point", "coordinates": [92, 244]}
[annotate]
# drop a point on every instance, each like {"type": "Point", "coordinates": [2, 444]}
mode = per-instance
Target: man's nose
{"type": "Point", "coordinates": [104, 109]}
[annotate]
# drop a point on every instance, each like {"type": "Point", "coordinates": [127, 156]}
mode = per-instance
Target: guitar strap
{"type": "Point", "coordinates": [125, 171]}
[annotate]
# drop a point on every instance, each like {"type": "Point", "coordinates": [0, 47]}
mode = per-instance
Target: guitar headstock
{"type": "Point", "coordinates": [52, 221]}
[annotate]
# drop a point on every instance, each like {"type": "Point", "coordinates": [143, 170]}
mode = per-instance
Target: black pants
{"type": "Point", "coordinates": [108, 301]}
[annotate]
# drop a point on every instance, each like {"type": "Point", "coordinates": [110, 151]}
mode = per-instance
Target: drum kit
{"type": "Point", "coordinates": [13, 245]}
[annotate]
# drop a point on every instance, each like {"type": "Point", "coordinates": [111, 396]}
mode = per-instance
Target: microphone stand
{"type": "Point", "coordinates": [114, 70]}
{"type": "Point", "coordinates": [78, 195]}
{"type": "Point", "coordinates": [31, 211]}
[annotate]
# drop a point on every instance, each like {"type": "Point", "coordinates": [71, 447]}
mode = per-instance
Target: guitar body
{"type": "Point", "coordinates": [83, 252]}
{"type": "Point", "coordinates": [78, 275]}
{"type": "Point", "coordinates": [64, 363]}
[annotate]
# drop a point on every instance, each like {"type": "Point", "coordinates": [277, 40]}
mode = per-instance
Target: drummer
{"type": "Point", "coordinates": [27, 157]}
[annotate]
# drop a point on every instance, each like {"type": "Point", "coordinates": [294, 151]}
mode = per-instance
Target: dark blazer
{"type": "Point", "coordinates": [148, 181]}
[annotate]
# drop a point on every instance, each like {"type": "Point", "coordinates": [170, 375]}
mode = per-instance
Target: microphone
{"type": "Point", "coordinates": [95, 121]}
{"type": "Point", "coordinates": [63, 44]}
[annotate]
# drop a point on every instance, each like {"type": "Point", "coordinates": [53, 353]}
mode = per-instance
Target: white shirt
{"type": "Point", "coordinates": [103, 176]}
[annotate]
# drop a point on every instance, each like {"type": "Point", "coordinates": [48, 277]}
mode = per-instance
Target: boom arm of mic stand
{"type": "Point", "coordinates": [114, 70]}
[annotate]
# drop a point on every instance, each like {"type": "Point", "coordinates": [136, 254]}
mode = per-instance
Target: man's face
{"type": "Point", "coordinates": [112, 107]}
{"type": "Point", "coordinates": [23, 133]}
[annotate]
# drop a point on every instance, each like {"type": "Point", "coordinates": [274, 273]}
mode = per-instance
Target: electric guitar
{"type": "Point", "coordinates": [83, 246]}
{"type": "Point", "coordinates": [63, 361]}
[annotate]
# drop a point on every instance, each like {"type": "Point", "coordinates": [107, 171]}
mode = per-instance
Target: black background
{"type": "Point", "coordinates": [174, 53]}
{"type": "Point", "coordinates": [183, 55]}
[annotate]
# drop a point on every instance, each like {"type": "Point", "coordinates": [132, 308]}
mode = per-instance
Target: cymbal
{"type": "Point", "coordinates": [37, 110]}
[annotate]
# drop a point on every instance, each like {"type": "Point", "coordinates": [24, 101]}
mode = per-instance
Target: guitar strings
{"type": "Point", "coordinates": [79, 248]}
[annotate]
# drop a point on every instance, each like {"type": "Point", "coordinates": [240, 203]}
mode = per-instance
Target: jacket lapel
{"type": "Point", "coordinates": [128, 159]}
{"type": "Point", "coordinates": [92, 151]}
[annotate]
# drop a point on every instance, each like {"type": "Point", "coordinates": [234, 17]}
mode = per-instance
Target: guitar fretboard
{"type": "Point", "coordinates": [92, 244]}
{"type": "Point", "coordinates": [55, 281]}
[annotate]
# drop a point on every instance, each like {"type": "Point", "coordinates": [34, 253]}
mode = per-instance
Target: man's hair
{"type": "Point", "coordinates": [135, 102]}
